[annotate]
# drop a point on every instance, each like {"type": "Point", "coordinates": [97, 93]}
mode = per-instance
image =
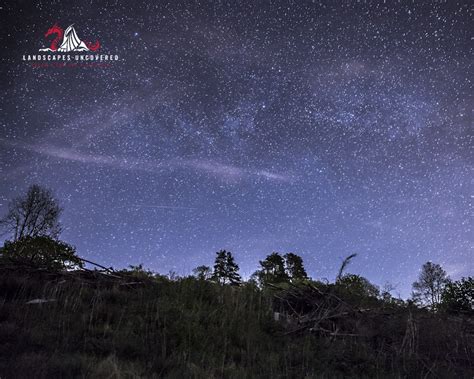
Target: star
{"type": "Point", "coordinates": [314, 128]}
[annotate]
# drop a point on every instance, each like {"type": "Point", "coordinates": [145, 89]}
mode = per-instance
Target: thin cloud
{"type": "Point", "coordinates": [274, 176]}
{"type": "Point", "coordinates": [172, 207]}
{"type": "Point", "coordinates": [217, 169]}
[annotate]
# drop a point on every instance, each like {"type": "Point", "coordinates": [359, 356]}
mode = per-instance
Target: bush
{"type": "Point", "coordinates": [458, 296]}
{"type": "Point", "coordinates": [41, 251]}
{"type": "Point", "coordinates": [357, 289]}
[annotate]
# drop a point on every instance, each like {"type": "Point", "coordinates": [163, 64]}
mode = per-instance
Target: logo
{"type": "Point", "coordinates": [68, 41]}
{"type": "Point", "coordinates": [66, 49]}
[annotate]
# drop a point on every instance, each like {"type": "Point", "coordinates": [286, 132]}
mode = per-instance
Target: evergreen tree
{"type": "Point", "coordinates": [272, 270]}
{"type": "Point", "coordinates": [294, 267]}
{"type": "Point", "coordinates": [219, 272]}
{"type": "Point", "coordinates": [232, 270]}
{"type": "Point", "coordinates": [226, 270]}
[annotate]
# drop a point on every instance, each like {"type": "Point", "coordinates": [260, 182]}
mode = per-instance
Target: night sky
{"type": "Point", "coordinates": [324, 129]}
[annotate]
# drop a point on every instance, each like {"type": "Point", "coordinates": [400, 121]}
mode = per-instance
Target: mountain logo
{"type": "Point", "coordinates": [66, 41]}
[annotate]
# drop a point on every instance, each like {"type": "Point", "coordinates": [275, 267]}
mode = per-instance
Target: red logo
{"type": "Point", "coordinates": [66, 41]}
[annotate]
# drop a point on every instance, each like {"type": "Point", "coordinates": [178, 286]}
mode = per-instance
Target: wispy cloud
{"type": "Point", "coordinates": [221, 170]}
{"type": "Point", "coordinates": [171, 207]}
{"type": "Point", "coordinates": [274, 176]}
{"type": "Point", "coordinates": [235, 172]}
{"type": "Point", "coordinates": [211, 167]}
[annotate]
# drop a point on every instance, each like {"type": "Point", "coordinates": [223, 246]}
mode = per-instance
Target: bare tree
{"type": "Point", "coordinates": [430, 285]}
{"type": "Point", "coordinates": [35, 214]}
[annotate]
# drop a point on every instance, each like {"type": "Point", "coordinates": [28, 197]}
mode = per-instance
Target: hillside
{"type": "Point", "coordinates": [132, 324]}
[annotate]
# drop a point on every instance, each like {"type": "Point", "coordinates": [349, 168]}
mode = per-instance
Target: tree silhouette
{"type": "Point", "coordinates": [430, 285]}
{"type": "Point", "coordinates": [226, 271]}
{"type": "Point", "coordinates": [43, 252]}
{"type": "Point", "coordinates": [294, 267]}
{"type": "Point", "coordinates": [202, 272]}
{"type": "Point", "coordinates": [358, 286]}
{"type": "Point", "coordinates": [272, 270]}
{"type": "Point", "coordinates": [458, 296]}
{"type": "Point", "coordinates": [35, 214]}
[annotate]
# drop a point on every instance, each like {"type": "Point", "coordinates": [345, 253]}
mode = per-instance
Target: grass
{"type": "Point", "coordinates": [188, 328]}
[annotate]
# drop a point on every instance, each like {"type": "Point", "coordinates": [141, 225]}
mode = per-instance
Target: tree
{"type": "Point", "coordinates": [358, 286]}
{"type": "Point", "coordinates": [41, 251]}
{"type": "Point", "coordinates": [294, 267]}
{"type": "Point", "coordinates": [226, 271]}
{"type": "Point", "coordinates": [202, 272]}
{"type": "Point", "coordinates": [386, 293]}
{"type": "Point", "coordinates": [272, 270]}
{"type": "Point", "coordinates": [458, 296]}
{"type": "Point", "coordinates": [430, 285]}
{"type": "Point", "coordinates": [33, 215]}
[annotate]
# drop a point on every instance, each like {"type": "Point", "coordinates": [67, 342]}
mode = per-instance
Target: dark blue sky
{"type": "Point", "coordinates": [321, 128]}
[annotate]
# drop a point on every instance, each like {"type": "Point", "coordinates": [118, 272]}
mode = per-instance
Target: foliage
{"type": "Point", "coordinates": [138, 272]}
{"type": "Point", "coordinates": [458, 296]}
{"type": "Point", "coordinates": [358, 286]}
{"type": "Point", "coordinates": [189, 328]}
{"type": "Point", "coordinates": [272, 270]}
{"type": "Point", "coordinates": [278, 269]}
{"type": "Point", "coordinates": [32, 215]}
{"type": "Point", "coordinates": [295, 268]}
{"type": "Point", "coordinates": [226, 270]}
{"type": "Point", "coordinates": [135, 323]}
{"type": "Point", "coordinates": [430, 285]}
{"type": "Point", "coordinates": [202, 272]}
{"type": "Point", "coordinates": [41, 252]}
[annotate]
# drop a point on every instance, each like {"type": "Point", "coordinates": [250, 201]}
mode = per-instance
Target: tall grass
{"type": "Point", "coordinates": [188, 328]}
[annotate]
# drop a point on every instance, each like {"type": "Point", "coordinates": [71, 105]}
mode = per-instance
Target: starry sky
{"type": "Point", "coordinates": [320, 128]}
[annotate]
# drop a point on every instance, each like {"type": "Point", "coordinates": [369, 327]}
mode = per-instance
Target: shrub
{"type": "Point", "coordinates": [42, 252]}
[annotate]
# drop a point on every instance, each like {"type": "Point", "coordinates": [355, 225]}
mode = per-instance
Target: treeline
{"type": "Point", "coordinates": [32, 221]}
{"type": "Point", "coordinates": [433, 289]}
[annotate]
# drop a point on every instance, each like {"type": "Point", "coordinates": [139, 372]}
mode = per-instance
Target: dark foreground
{"type": "Point", "coordinates": [132, 325]}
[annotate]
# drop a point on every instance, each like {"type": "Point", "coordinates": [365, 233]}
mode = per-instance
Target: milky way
{"type": "Point", "coordinates": [324, 129]}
